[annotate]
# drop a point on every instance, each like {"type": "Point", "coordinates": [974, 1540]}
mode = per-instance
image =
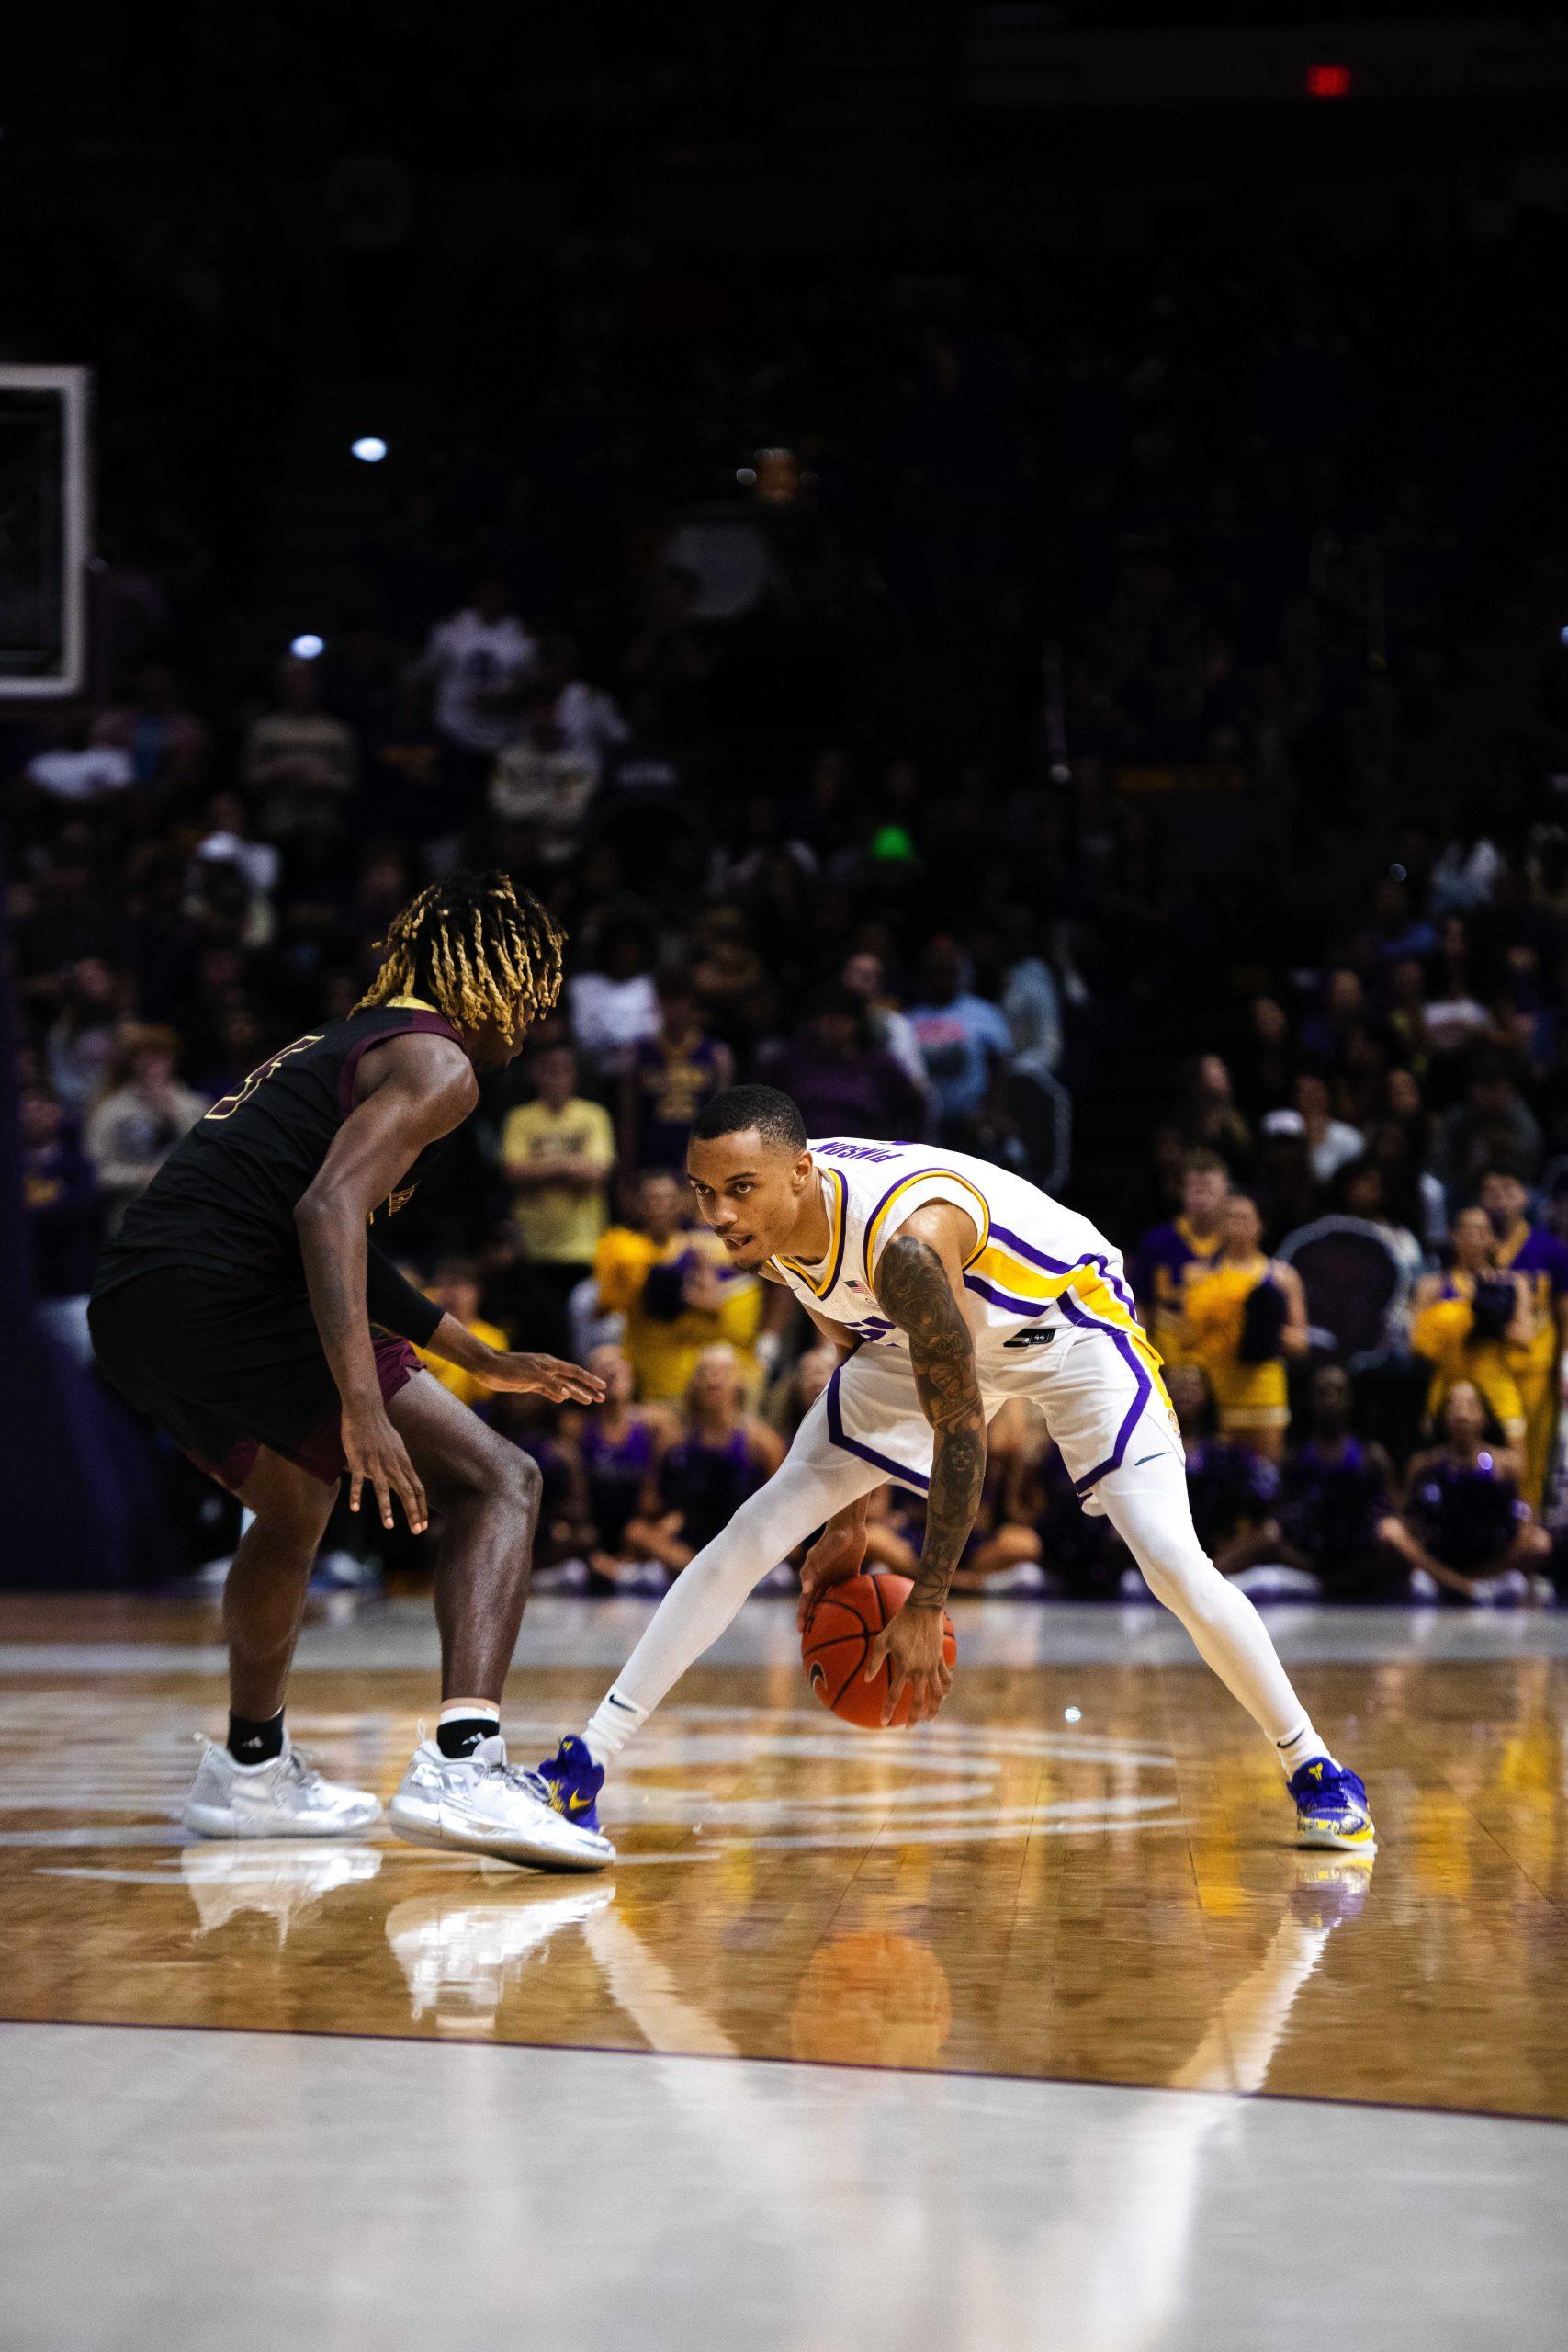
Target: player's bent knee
{"type": "Point", "coordinates": [516, 1479]}
{"type": "Point", "coordinates": [1182, 1576]}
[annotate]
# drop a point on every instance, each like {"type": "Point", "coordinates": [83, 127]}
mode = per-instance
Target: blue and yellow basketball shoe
{"type": "Point", "coordinates": [1331, 1807]}
{"type": "Point", "coordinates": [572, 1781]}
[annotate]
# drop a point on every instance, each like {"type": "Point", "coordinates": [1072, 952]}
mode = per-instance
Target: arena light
{"type": "Point", "coordinates": [1072, 1714]}
{"type": "Point", "coordinates": [1328, 81]}
{"type": "Point", "coordinates": [307, 647]}
{"type": "Point", "coordinates": [369, 450]}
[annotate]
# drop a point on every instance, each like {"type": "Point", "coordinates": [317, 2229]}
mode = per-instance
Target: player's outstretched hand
{"type": "Point", "coordinates": [911, 1641]}
{"type": "Point", "coordinates": [377, 1458]}
{"type": "Point", "coordinates": [838, 1553]}
{"type": "Point", "coordinates": [547, 1376]}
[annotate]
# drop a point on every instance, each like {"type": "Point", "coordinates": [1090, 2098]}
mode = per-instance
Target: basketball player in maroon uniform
{"type": "Point", "coordinates": [235, 1307]}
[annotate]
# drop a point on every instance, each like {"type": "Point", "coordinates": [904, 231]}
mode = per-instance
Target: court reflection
{"type": "Point", "coordinates": [872, 1999]}
{"type": "Point", "coordinates": [1121, 2244]}
{"type": "Point", "coordinates": [279, 1882]}
{"type": "Point", "coordinates": [463, 1957]}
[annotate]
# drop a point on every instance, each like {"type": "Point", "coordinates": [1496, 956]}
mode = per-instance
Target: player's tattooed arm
{"type": "Point", "coordinates": [916, 1287]}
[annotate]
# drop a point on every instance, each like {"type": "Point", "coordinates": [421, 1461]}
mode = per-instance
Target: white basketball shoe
{"type": "Point", "coordinates": [285, 1797]}
{"type": "Point", "coordinates": [482, 1805]}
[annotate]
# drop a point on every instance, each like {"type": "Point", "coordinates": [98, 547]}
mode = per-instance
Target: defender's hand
{"type": "Point", "coordinates": [912, 1645]}
{"type": "Point", "coordinates": [377, 1456]}
{"type": "Point", "coordinates": [545, 1376]}
{"type": "Point", "coordinates": [836, 1554]}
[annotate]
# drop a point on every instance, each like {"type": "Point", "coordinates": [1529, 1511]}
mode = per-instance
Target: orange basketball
{"type": "Point", "coordinates": [837, 1642]}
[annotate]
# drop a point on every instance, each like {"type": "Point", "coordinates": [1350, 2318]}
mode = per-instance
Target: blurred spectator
{"type": "Point", "coordinates": [964, 1040]}
{"type": "Point", "coordinates": [586, 723]}
{"type": "Point", "coordinates": [616, 1445]}
{"type": "Point", "coordinates": [478, 661]}
{"type": "Point", "coordinates": [1463, 1527]}
{"type": "Point", "coordinates": [1396, 931]}
{"type": "Point", "coordinates": [1212, 1122]}
{"type": "Point", "coordinates": [1002, 1551]}
{"type": "Point", "coordinates": [730, 979]}
{"type": "Point", "coordinates": [1333, 1501]}
{"type": "Point", "coordinates": [59, 1198]}
{"type": "Point", "coordinates": [705, 1467]}
{"type": "Point", "coordinates": [1474, 1324]}
{"type": "Point", "coordinates": [229, 840]}
{"type": "Point", "coordinates": [167, 743]}
{"type": "Point", "coordinates": [669, 657]}
{"type": "Point", "coordinates": [613, 1002]}
{"type": "Point", "coordinates": [764, 844]}
{"type": "Point", "coordinates": [1168, 1254]}
{"type": "Point", "coordinates": [1361, 1190]}
{"type": "Point", "coordinates": [1398, 1142]}
{"type": "Point", "coordinates": [678, 1292]}
{"type": "Point", "coordinates": [1229, 1486]}
{"type": "Point", "coordinates": [1330, 1141]}
{"type": "Point", "coordinates": [668, 1079]}
{"type": "Point", "coordinates": [81, 1043]}
{"type": "Point", "coordinates": [1493, 1122]}
{"type": "Point", "coordinates": [1245, 1314]}
{"type": "Point", "coordinates": [1342, 1012]}
{"type": "Point", "coordinates": [794, 1392]}
{"type": "Point", "coordinates": [557, 1153]}
{"type": "Point", "coordinates": [1540, 1260]}
{"type": "Point", "coordinates": [298, 764]}
{"type": "Point", "coordinates": [542, 789]}
{"type": "Point", "coordinates": [1287, 1188]}
{"type": "Point", "coordinates": [458, 1291]}
{"type": "Point", "coordinates": [1407, 1014]}
{"type": "Point", "coordinates": [1267, 1062]}
{"type": "Point", "coordinates": [141, 1118]}
{"type": "Point", "coordinates": [889, 1029]}
{"type": "Point", "coordinates": [1079, 1554]}
{"type": "Point", "coordinates": [843, 1084]}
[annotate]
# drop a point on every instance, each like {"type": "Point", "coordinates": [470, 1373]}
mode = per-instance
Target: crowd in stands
{"type": "Point", "coordinates": [1340, 1209]}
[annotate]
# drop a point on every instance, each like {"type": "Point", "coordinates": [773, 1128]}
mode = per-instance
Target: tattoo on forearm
{"type": "Point", "coordinates": [913, 1288]}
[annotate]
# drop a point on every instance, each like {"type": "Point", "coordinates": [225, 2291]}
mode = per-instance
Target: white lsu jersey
{"type": "Point", "coordinates": [1035, 1266]}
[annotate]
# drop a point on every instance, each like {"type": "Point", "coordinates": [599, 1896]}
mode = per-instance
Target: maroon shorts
{"type": "Point", "coordinates": [227, 1366]}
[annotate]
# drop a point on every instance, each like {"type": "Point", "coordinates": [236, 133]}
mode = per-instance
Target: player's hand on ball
{"type": "Point", "coordinates": [912, 1645]}
{"type": "Point", "coordinates": [836, 1554]}
{"type": "Point", "coordinates": [547, 1376]}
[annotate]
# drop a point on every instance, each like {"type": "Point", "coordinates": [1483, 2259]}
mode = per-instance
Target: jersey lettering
{"type": "Point", "coordinates": [226, 1106]}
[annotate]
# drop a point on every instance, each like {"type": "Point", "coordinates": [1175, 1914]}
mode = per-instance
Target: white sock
{"type": "Point", "coordinates": [1301, 1747]}
{"type": "Point", "coordinates": [610, 1726]}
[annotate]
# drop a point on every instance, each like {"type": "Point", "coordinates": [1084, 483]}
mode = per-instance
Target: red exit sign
{"type": "Point", "coordinates": [1328, 81]}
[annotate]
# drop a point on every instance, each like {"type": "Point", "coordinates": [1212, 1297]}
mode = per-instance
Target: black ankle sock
{"type": "Point", "coordinates": [462, 1735]}
{"type": "Point", "coordinates": [254, 1743]}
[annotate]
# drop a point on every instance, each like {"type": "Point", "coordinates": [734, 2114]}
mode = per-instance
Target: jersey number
{"type": "Point", "coordinates": [229, 1104]}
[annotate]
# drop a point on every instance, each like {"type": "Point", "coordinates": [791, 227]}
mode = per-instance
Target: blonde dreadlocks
{"type": "Point", "coordinates": [479, 948]}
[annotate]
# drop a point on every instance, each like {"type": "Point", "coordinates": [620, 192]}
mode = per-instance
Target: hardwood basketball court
{"type": "Point", "coordinates": [917, 1962]}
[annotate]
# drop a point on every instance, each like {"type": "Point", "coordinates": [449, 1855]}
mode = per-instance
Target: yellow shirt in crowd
{"type": "Point", "coordinates": [559, 1225]}
{"type": "Point", "coordinates": [664, 1352]}
{"type": "Point", "coordinates": [464, 1386]}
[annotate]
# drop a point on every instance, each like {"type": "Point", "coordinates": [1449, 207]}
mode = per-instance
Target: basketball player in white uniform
{"type": "Point", "coordinates": [949, 1286]}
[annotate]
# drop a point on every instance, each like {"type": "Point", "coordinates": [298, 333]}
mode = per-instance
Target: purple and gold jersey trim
{"type": "Point", "coordinates": [833, 1260]}
{"type": "Point", "coordinates": [879, 1217]}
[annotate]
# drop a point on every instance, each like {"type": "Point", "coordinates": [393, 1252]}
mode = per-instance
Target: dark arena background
{"type": "Point", "coordinates": [1003, 570]}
